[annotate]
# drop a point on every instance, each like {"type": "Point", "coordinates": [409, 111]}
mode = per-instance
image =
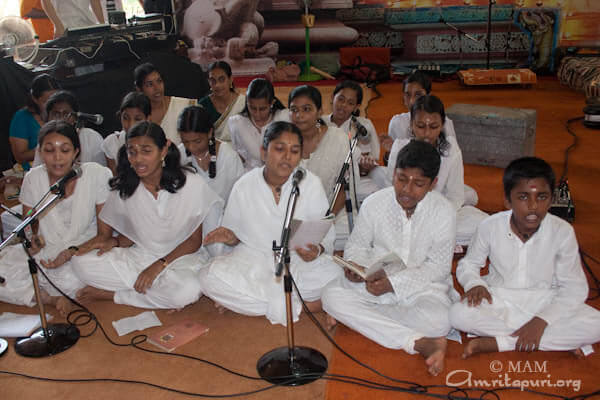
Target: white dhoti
{"type": "Point", "coordinates": [512, 308]}
{"type": "Point", "coordinates": [117, 271]}
{"type": "Point", "coordinates": [389, 323]}
{"type": "Point", "coordinates": [244, 281]}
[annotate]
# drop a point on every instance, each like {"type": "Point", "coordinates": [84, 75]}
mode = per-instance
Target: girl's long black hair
{"type": "Point", "coordinates": [173, 174]}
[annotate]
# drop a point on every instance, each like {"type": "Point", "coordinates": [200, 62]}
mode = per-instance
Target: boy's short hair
{"type": "Point", "coordinates": [527, 168]}
{"type": "Point", "coordinates": [418, 77]}
{"type": "Point", "coordinates": [422, 155]}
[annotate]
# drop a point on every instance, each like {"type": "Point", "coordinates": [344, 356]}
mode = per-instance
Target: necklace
{"type": "Point", "coordinates": [276, 189]}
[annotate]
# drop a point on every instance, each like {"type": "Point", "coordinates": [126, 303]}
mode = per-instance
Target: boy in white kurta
{"type": "Point", "coordinates": [402, 308]}
{"type": "Point", "coordinates": [534, 295]}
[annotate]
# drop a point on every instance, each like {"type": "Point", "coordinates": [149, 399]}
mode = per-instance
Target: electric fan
{"type": "Point", "coordinates": [18, 39]}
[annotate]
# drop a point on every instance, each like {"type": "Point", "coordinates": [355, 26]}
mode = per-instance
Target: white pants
{"type": "Point", "coordinates": [245, 282]}
{"type": "Point", "coordinates": [501, 318]}
{"type": "Point", "coordinates": [117, 271]}
{"type": "Point", "coordinates": [395, 326]}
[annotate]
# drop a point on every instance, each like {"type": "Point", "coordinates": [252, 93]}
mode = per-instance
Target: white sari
{"type": "Point", "coordinates": [156, 226]}
{"type": "Point", "coordinates": [229, 169]}
{"type": "Point", "coordinates": [244, 280]}
{"type": "Point", "coordinates": [70, 222]}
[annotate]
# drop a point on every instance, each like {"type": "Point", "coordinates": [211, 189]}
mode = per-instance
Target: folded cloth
{"type": "Point", "coordinates": [138, 323]}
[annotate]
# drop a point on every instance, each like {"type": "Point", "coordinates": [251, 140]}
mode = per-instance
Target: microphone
{"type": "Point", "coordinates": [95, 119]}
{"type": "Point", "coordinates": [360, 129]}
{"type": "Point", "coordinates": [299, 174]}
{"type": "Point", "coordinates": [60, 184]}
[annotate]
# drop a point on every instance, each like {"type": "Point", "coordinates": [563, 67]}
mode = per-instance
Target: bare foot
{"type": "Point", "coordinates": [434, 352]}
{"type": "Point", "coordinates": [64, 306]}
{"type": "Point", "coordinates": [330, 323]}
{"type": "Point", "coordinates": [89, 294]}
{"type": "Point", "coordinates": [578, 353]}
{"type": "Point", "coordinates": [480, 345]}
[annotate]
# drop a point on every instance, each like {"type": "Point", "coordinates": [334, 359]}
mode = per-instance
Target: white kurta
{"type": "Point", "coordinates": [542, 277]}
{"type": "Point", "coordinates": [452, 185]}
{"type": "Point", "coordinates": [91, 148]}
{"type": "Point", "coordinates": [169, 121]}
{"type": "Point", "coordinates": [244, 280]}
{"type": "Point", "coordinates": [156, 226]}
{"type": "Point", "coordinates": [399, 127]}
{"type": "Point", "coordinates": [229, 169]}
{"type": "Point", "coordinates": [247, 139]}
{"type": "Point", "coordinates": [422, 292]}
{"type": "Point", "coordinates": [70, 222]}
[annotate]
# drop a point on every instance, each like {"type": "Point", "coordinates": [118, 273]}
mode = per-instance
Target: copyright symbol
{"type": "Point", "coordinates": [496, 366]}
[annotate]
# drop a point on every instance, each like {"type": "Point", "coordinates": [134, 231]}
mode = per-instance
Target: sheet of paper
{"type": "Point", "coordinates": [17, 325]}
{"type": "Point", "coordinates": [304, 232]}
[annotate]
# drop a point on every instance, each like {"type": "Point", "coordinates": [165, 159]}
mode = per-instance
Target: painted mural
{"type": "Point", "coordinates": [253, 34]}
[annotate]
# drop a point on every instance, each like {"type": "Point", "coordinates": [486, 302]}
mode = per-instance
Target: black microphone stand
{"type": "Point", "coordinates": [50, 339]}
{"type": "Point", "coordinates": [291, 365]}
{"type": "Point", "coordinates": [489, 33]}
{"type": "Point", "coordinates": [459, 32]}
{"type": "Point", "coordinates": [341, 181]}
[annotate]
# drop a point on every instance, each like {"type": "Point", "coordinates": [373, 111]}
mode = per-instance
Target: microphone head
{"type": "Point", "coordinates": [99, 119]}
{"type": "Point", "coordinates": [299, 174]}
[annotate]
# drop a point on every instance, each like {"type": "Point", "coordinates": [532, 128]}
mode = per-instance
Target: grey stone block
{"type": "Point", "coordinates": [493, 136]}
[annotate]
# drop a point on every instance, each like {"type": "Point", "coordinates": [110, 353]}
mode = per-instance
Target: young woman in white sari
{"type": "Point", "coordinates": [244, 280]}
{"type": "Point", "coordinates": [324, 152]}
{"type": "Point", "coordinates": [215, 161]}
{"type": "Point", "coordinates": [165, 109]}
{"type": "Point", "coordinates": [223, 101]}
{"type": "Point", "coordinates": [158, 209]}
{"type": "Point", "coordinates": [69, 225]}
{"type": "Point", "coordinates": [248, 127]}
{"type": "Point", "coordinates": [135, 107]}
{"type": "Point", "coordinates": [347, 98]}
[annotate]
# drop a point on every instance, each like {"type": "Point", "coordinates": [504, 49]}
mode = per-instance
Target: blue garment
{"type": "Point", "coordinates": [24, 126]}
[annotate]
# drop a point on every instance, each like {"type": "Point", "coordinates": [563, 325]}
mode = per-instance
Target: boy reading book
{"type": "Point", "coordinates": [401, 308]}
{"type": "Point", "coordinates": [534, 295]}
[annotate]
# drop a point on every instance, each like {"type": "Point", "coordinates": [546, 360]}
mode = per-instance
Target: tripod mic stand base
{"type": "Point", "coordinates": [60, 338]}
{"type": "Point", "coordinates": [306, 366]}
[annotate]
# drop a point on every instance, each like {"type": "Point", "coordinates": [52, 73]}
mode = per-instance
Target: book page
{"type": "Point", "coordinates": [304, 232]}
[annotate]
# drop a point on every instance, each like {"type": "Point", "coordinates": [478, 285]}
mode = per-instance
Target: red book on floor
{"type": "Point", "coordinates": [168, 339]}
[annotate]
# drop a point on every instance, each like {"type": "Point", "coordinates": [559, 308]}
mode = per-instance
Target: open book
{"type": "Point", "coordinates": [168, 339]}
{"type": "Point", "coordinates": [365, 272]}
